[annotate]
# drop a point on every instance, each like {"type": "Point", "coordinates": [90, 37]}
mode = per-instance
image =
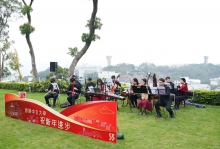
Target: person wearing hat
{"type": "Point", "coordinates": [182, 92]}
{"type": "Point", "coordinates": [89, 84]}
{"type": "Point", "coordinates": [53, 92]}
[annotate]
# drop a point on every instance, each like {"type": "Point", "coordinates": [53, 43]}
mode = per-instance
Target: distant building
{"type": "Point", "coordinates": [199, 87]}
{"type": "Point", "coordinates": [84, 69]}
{"type": "Point", "coordinates": [10, 79]}
{"type": "Point", "coordinates": [108, 60]}
{"type": "Point", "coordinates": [215, 81]}
{"type": "Point", "coordinates": [206, 60]}
{"type": "Point", "coordinates": [107, 74]}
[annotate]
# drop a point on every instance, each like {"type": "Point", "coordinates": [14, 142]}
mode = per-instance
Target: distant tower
{"type": "Point", "coordinates": [206, 60]}
{"type": "Point", "coordinates": [108, 60]}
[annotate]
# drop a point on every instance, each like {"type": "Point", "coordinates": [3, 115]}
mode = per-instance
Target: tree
{"type": "Point", "coordinates": [62, 73]}
{"type": "Point", "coordinates": [14, 63]}
{"type": "Point", "coordinates": [26, 29]}
{"type": "Point", "coordinates": [6, 72]}
{"type": "Point", "coordinates": [4, 54]}
{"type": "Point", "coordinates": [93, 75]}
{"type": "Point", "coordinates": [9, 9]}
{"type": "Point", "coordinates": [93, 24]}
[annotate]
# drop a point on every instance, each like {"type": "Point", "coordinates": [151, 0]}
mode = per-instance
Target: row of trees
{"type": "Point", "coordinates": [14, 9]}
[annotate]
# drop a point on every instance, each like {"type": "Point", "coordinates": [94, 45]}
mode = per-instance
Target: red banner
{"type": "Point", "coordinates": [95, 119]}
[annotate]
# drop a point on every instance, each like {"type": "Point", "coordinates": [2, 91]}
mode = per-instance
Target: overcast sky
{"type": "Point", "coordinates": [163, 32]}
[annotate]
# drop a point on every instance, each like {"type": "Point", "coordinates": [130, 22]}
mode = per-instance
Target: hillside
{"type": "Point", "coordinates": [193, 71]}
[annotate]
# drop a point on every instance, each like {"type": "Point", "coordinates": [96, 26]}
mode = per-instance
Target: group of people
{"type": "Point", "coordinates": [164, 100]}
{"type": "Point", "coordinates": [143, 104]}
{"type": "Point", "coordinates": [74, 89]}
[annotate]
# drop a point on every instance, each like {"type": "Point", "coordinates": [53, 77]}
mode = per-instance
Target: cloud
{"type": "Point", "coordinates": [105, 110]}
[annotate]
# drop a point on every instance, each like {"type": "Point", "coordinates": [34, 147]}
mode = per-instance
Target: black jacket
{"type": "Point", "coordinates": [172, 85]}
{"type": "Point", "coordinates": [90, 84]}
{"type": "Point", "coordinates": [70, 89]}
{"type": "Point", "coordinates": [167, 96]}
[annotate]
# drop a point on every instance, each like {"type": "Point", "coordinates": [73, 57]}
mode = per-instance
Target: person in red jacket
{"type": "Point", "coordinates": [182, 92]}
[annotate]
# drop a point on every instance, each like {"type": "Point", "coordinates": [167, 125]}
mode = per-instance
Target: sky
{"type": "Point", "coordinates": [163, 32]}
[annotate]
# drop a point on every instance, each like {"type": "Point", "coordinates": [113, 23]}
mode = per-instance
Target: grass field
{"type": "Point", "coordinates": [193, 128]}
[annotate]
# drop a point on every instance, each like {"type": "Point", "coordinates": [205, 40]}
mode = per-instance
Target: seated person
{"type": "Point", "coordinates": [73, 92]}
{"type": "Point", "coordinates": [134, 96]}
{"type": "Point", "coordinates": [171, 85]}
{"type": "Point", "coordinates": [100, 85]}
{"type": "Point", "coordinates": [89, 84]}
{"type": "Point", "coordinates": [182, 93]}
{"type": "Point", "coordinates": [116, 86]}
{"type": "Point", "coordinates": [145, 101]}
{"type": "Point", "coordinates": [164, 101]}
{"type": "Point", "coordinates": [53, 91]}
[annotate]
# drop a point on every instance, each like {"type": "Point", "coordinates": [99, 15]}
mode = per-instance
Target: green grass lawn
{"type": "Point", "coordinates": [192, 128]}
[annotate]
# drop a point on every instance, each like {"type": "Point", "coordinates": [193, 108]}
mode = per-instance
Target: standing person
{"type": "Point", "coordinates": [53, 92]}
{"type": "Point", "coordinates": [134, 96]}
{"type": "Point", "coordinates": [164, 100]}
{"type": "Point", "coordinates": [73, 92]}
{"type": "Point", "coordinates": [145, 101]}
{"type": "Point", "coordinates": [182, 92]}
{"type": "Point", "coordinates": [171, 84]}
{"type": "Point", "coordinates": [89, 84]}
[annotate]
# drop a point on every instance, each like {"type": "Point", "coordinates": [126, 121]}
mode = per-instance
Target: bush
{"type": "Point", "coordinates": [35, 86]}
{"type": "Point", "coordinates": [207, 97]}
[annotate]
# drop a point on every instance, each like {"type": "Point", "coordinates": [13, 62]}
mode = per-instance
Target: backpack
{"type": "Point", "coordinates": [65, 105]}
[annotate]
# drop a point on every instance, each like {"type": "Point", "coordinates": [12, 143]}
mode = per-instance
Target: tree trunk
{"type": "Point", "coordinates": [34, 68]}
{"type": "Point", "coordinates": [1, 68]}
{"type": "Point", "coordinates": [87, 44]}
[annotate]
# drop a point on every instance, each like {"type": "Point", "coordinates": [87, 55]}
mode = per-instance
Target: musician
{"type": "Point", "coordinates": [134, 96]}
{"type": "Point", "coordinates": [77, 83]}
{"type": "Point", "coordinates": [53, 92]}
{"type": "Point", "coordinates": [182, 92]}
{"type": "Point", "coordinates": [171, 84]}
{"type": "Point", "coordinates": [116, 86]}
{"type": "Point", "coordinates": [145, 101]}
{"type": "Point", "coordinates": [100, 85]}
{"type": "Point", "coordinates": [89, 84]}
{"type": "Point", "coordinates": [73, 91]}
{"type": "Point", "coordinates": [165, 100]}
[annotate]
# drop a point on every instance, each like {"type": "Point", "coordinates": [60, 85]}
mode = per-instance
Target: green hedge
{"type": "Point", "coordinates": [207, 97]}
{"type": "Point", "coordinates": [35, 86]}
{"type": "Point", "coordinates": [201, 96]}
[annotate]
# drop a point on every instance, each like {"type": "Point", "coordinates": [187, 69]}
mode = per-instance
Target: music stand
{"type": "Point", "coordinates": [139, 89]}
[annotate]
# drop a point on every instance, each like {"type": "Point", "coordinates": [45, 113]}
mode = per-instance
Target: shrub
{"type": "Point", "coordinates": [35, 86]}
{"type": "Point", "coordinates": [207, 97]}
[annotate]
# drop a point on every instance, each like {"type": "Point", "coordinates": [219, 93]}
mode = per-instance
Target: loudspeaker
{"type": "Point", "coordinates": [53, 66]}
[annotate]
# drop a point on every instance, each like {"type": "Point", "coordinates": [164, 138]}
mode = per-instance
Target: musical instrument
{"type": "Point", "coordinates": [110, 95]}
{"type": "Point", "coordinates": [154, 80]}
{"type": "Point", "coordinates": [115, 86]}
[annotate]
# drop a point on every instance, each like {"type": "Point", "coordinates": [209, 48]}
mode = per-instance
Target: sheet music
{"type": "Point", "coordinates": [158, 90]}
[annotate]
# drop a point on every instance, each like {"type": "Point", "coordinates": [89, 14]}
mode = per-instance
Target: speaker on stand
{"type": "Point", "coordinates": [53, 67]}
